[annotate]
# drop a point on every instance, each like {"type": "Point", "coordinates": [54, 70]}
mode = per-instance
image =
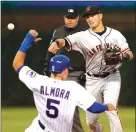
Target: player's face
{"type": "Point", "coordinates": [94, 21]}
{"type": "Point", "coordinates": [71, 22]}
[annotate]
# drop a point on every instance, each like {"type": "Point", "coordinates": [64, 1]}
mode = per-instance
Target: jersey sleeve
{"type": "Point", "coordinates": [122, 42]}
{"type": "Point", "coordinates": [29, 78]}
{"type": "Point", "coordinates": [73, 40]}
{"type": "Point", "coordinates": [84, 98]}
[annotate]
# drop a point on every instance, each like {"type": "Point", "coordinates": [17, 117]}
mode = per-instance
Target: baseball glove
{"type": "Point", "coordinates": [112, 56]}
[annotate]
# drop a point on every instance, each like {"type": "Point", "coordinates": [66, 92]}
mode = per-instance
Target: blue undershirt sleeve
{"type": "Point", "coordinates": [97, 108]}
{"type": "Point", "coordinates": [18, 70]}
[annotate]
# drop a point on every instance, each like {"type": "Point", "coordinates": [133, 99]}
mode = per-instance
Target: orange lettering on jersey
{"type": "Point", "coordinates": [111, 46]}
{"type": "Point", "coordinates": [104, 46]}
{"type": "Point", "coordinates": [99, 48]}
{"type": "Point", "coordinates": [94, 51]}
{"type": "Point", "coordinates": [90, 53]}
{"type": "Point", "coordinates": [108, 45]}
{"type": "Point", "coordinates": [116, 47]}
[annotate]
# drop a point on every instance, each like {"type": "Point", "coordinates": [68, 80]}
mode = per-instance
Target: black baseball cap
{"type": "Point", "coordinates": [91, 10]}
{"type": "Point", "coordinates": [71, 13]}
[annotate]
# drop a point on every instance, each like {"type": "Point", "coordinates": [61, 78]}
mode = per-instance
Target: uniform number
{"type": "Point", "coordinates": [50, 107]}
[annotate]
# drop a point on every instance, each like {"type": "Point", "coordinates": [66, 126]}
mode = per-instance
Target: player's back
{"type": "Point", "coordinates": [56, 101]}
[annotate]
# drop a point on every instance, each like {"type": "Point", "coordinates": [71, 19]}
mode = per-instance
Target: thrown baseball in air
{"type": "Point", "coordinates": [10, 26]}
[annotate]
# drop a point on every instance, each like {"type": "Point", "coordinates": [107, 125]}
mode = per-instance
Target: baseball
{"type": "Point", "coordinates": [10, 26]}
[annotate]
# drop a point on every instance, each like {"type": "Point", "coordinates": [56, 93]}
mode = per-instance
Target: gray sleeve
{"type": "Point", "coordinates": [49, 55]}
{"type": "Point", "coordinates": [53, 37]}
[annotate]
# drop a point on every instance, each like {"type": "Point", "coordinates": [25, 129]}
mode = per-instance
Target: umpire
{"type": "Point", "coordinates": [72, 25]}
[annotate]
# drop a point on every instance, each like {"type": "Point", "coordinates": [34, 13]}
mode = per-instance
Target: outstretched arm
{"type": "Point", "coordinates": [56, 45]}
{"type": "Point", "coordinates": [98, 107]}
{"type": "Point", "coordinates": [19, 59]}
{"type": "Point", "coordinates": [67, 43]}
{"type": "Point", "coordinates": [89, 103]}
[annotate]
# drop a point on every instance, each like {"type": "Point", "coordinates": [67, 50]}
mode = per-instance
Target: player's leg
{"type": "Point", "coordinates": [34, 127]}
{"type": "Point", "coordinates": [92, 122]}
{"type": "Point", "coordinates": [77, 127]}
{"type": "Point", "coordinates": [111, 95]}
{"type": "Point", "coordinates": [93, 85]}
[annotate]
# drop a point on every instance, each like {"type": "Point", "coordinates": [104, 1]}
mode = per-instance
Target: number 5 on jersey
{"type": "Point", "coordinates": [50, 107]}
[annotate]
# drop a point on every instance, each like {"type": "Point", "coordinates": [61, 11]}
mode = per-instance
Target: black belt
{"type": "Point", "coordinates": [41, 125]}
{"type": "Point", "coordinates": [101, 75]}
{"type": "Point", "coordinates": [72, 70]}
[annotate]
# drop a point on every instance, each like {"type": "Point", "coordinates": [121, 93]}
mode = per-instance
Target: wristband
{"type": "Point", "coordinates": [126, 57]}
{"type": "Point", "coordinates": [27, 43]}
{"type": "Point", "coordinates": [57, 42]}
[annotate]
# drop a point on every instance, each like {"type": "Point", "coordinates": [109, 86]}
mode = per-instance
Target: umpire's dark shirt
{"type": "Point", "coordinates": [77, 61]}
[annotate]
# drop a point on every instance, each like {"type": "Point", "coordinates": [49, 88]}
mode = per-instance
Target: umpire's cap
{"type": "Point", "coordinates": [71, 13]}
{"type": "Point", "coordinates": [59, 63]}
{"type": "Point", "coordinates": [91, 10]}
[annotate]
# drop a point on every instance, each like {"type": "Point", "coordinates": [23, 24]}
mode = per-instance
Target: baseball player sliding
{"type": "Point", "coordinates": [55, 98]}
{"type": "Point", "coordinates": [102, 74]}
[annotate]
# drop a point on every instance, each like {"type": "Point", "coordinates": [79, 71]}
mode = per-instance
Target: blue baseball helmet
{"type": "Point", "coordinates": [59, 63]}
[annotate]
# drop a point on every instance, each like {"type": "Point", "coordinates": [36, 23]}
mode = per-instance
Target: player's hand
{"type": "Point", "coordinates": [37, 40]}
{"type": "Point", "coordinates": [35, 34]}
{"type": "Point", "coordinates": [120, 54]}
{"type": "Point", "coordinates": [110, 107]}
{"type": "Point", "coordinates": [53, 48]}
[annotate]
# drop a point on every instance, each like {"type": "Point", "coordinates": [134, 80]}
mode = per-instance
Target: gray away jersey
{"type": "Point", "coordinates": [55, 100]}
{"type": "Point", "coordinates": [92, 45]}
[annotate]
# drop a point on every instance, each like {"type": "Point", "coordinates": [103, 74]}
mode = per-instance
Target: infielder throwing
{"type": "Point", "coordinates": [54, 98]}
{"type": "Point", "coordinates": [98, 45]}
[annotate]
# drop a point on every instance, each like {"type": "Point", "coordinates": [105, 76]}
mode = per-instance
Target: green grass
{"type": "Point", "coordinates": [17, 119]}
